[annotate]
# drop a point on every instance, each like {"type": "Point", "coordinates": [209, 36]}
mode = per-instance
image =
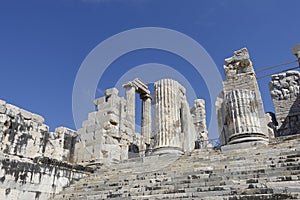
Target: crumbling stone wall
{"type": "Point", "coordinates": [34, 163]}
{"type": "Point", "coordinates": [24, 134]}
{"type": "Point", "coordinates": [39, 178]}
{"type": "Point", "coordinates": [106, 135]}
{"type": "Point", "coordinates": [284, 89]}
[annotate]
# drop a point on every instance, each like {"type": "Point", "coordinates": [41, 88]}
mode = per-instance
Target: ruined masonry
{"type": "Point", "coordinates": [284, 89]}
{"type": "Point", "coordinates": [172, 158]}
{"type": "Point", "coordinates": [34, 163]}
{"type": "Point", "coordinates": [240, 111]}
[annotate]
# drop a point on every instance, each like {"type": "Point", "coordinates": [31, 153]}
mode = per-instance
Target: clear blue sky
{"type": "Point", "coordinates": [43, 43]}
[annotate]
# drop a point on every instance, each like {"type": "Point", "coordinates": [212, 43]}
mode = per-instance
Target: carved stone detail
{"type": "Point", "coordinates": [285, 85]}
{"type": "Point", "coordinates": [240, 111]}
{"type": "Point", "coordinates": [284, 89]}
{"type": "Point", "coordinates": [238, 64]}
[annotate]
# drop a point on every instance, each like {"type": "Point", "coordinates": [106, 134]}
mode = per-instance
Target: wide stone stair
{"type": "Point", "coordinates": [258, 172]}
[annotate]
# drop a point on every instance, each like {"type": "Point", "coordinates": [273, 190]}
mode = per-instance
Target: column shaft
{"type": "Point", "coordinates": [146, 118]}
{"type": "Point", "coordinates": [130, 105]}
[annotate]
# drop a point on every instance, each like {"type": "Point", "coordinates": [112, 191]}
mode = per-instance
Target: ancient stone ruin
{"type": "Point", "coordinates": [284, 89]}
{"type": "Point", "coordinates": [172, 157]}
{"type": "Point", "coordinates": [241, 115]}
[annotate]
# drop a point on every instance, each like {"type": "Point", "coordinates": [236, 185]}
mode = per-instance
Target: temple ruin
{"type": "Point", "coordinates": [172, 158]}
{"type": "Point", "coordinates": [241, 115]}
{"type": "Point", "coordinates": [284, 89]}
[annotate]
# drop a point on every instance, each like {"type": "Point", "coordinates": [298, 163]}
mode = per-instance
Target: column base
{"type": "Point", "coordinates": [248, 137]}
{"type": "Point", "coordinates": [167, 150]}
{"type": "Point", "coordinates": [244, 145]}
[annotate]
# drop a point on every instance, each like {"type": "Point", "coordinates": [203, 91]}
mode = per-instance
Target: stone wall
{"type": "Point", "coordinates": [24, 134]}
{"type": "Point", "coordinates": [34, 162]}
{"type": "Point", "coordinates": [106, 135]}
{"type": "Point", "coordinates": [284, 90]}
{"type": "Point", "coordinates": [39, 178]}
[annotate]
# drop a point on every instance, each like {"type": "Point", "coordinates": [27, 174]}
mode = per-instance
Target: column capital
{"type": "Point", "coordinates": [145, 96]}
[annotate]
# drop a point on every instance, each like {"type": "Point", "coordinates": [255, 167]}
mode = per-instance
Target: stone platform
{"type": "Point", "coordinates": [257, 172]}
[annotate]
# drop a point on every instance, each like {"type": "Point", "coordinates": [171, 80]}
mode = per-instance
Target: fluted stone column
{"type": "Point", "coordinates": [130, 103]}
{"type": "Point", "coordinates": [146, 117]}
{"type": "Point", "coordinates": [242, 117]}
{"type": "Point", "coordinates": [167, 105]}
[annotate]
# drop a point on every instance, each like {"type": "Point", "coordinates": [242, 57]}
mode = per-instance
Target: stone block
{"type": "Point", "coordinates": [97, 150]}
{"type": "Point", "coordinates": [113, 150]}
{"type": "Point", "coordinates": [99, 101]}
{"type": "Point", "coordinates": [87, 137]}
{"type": "Point", "coordinates": [87, 123]}
{"type": "Point", "coordinates": [92, 116]}
{"type": "Point", "coordinates": [111, 92]}
{"type": "Point", "coordinates": [92, 128]}
{"type": "Point", "coordinates": [111, 118]}
{"type": "Point", "coordinates": [4, 118]}
{"type": "Point", "coordinates": [2, 102]}
{"type": "Point", "coordinates": [109, 110]}
{"type": "Point", "coordinates": [44, 127]}
{"type": "Point", "coordinates": [12, 110]}
{"type": "Point", "coordinates": [38, 118]}
{"type": "Point", "coordinates": [2, 109]}
{"type": "Point", "coordinates": [26, 114]}
{"type": "Point", "coordinates": [244, 145]}
{"type": "Point", "coordinates": [109, 105]}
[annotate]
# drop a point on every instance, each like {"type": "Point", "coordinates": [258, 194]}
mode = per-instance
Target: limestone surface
{"type": "Point", "coordinates": [240, 111]}
{"type": "Point", "coordinates": [284, 89]}
{"type": "Point", "coordinates": [251, 172]}
{"type": "Point", "coordinates": [34, 162]}
{"type": "Point", "coordinates": [175, 126]}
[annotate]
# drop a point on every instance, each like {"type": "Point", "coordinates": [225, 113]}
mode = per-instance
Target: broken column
{"type": "Point", "coordinates": [240, 111]}
{"type": "Point", "coordinates": [242, 116]}
{"type": "Point", "coordinates": [199, 121]}
{"type": "Point", "coordinates": [284, 90]}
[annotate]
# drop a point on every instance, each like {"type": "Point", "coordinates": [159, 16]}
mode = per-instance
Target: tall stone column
{"type": "Point", "coordinates": [130, 103]}
{"type": "Point", "coordinates": [146, 117]}
{"type": "Point", "coordinates": [167, 105]}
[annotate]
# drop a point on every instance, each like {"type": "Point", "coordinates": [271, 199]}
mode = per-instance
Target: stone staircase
{"type": "Point", "coordinates": [262, 172]}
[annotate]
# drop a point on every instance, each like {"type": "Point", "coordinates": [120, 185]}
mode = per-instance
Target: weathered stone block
{"type": "Point", "coordinates": [26, 114]}
{"type": "Point", "coordinates": [2, 109]}
{"type": "Point", "coordinates": [38, 118]}
{"type": "Point", "coordinates": [12, 110]}
{"type": "Point", "coordinates": [2, 102]}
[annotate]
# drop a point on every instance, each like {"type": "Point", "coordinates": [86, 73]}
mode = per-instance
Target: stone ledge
{"type": "Point", "coordinates": [244, 145]}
